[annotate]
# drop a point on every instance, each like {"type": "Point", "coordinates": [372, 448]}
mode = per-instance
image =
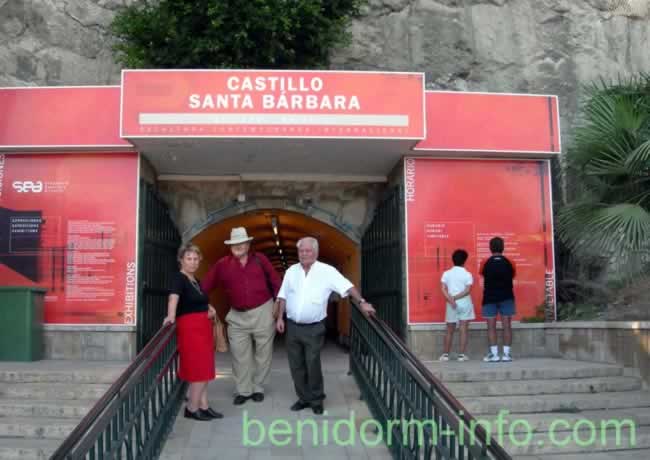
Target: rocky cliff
{"type": "Point", "coordinates": [532, 46]}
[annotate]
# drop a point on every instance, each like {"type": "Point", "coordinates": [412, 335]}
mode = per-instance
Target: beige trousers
{"type": "Point", "coordinates": [251, 334]}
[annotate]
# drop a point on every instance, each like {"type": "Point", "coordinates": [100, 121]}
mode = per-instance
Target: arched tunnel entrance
{"type": "Point", "coordinates": [275, 233]}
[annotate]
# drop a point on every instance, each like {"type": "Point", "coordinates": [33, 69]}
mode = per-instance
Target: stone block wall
{"type": "Point", "coordinates": [346, 206]}
{"type": "Point", "coordinates": [89, 343]}
{"type": "Point", "coordinates": [626, 343]}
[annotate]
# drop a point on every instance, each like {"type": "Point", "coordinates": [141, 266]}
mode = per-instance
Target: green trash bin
{"type": "Point", "coordinates": [21, 328]}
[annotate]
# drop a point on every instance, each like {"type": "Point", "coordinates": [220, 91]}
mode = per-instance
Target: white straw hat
{"type": "Point", "coordinates": [238, 235]}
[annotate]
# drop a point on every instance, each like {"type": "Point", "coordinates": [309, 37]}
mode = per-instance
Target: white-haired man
{"type": "Point", "coordinates": [304, 294]}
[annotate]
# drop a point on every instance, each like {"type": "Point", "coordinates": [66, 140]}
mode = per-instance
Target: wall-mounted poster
{"type": "Point", "coordinates": [68, 224]}
{"type": "Point", "coordinates": [453, 204]}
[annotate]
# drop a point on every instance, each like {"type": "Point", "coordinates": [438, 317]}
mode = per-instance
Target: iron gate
{"type": "Point", "coordinates": [157, 246]}
{"type": "Point", "coordinates": [382, 249]}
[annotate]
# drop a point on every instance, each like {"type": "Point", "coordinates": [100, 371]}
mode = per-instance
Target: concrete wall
{"type": "Point", "coordinates": [89, 343]}
{"type": "Point", "coordinates": [528, 340]}
{"type": "Point", "coordinates": [619, 342]}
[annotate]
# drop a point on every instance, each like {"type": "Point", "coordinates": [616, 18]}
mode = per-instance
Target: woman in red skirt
{"type": "Point", "coordinates": [189, 308]}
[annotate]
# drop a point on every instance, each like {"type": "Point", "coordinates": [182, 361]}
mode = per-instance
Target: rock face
{"type": "Point", "coordinates": [531, 46]}
{"type": "Point", "coordinates": [57, 42]}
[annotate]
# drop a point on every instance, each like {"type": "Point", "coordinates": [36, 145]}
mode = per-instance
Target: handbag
{"type": "Point", "coordinates": [219, 332]}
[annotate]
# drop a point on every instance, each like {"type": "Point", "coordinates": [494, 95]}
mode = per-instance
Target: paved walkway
{"type": "Point", "coordinates": [243, 433]}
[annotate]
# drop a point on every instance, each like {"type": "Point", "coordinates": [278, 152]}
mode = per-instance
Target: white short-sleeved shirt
{"type": "Point", "coordinates": [306, 296]}
{"type": "Point", "coordinates": [457, 279]}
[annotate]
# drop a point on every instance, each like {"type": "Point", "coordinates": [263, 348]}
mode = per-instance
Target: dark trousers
{"type": "Point", "coordinates": [304, 343]}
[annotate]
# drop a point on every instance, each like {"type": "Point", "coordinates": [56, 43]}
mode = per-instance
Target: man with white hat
{"type": "Point", "coordinates": [250, 284]}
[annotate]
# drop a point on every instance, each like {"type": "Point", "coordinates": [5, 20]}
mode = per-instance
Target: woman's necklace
{"type": "Point", "coordinates": [194, 284]}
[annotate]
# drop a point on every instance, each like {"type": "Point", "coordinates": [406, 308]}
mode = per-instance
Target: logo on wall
{"type": "Point", "coordinates": [27, 186]}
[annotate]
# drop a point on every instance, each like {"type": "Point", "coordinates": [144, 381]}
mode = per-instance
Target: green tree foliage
{"type": "Point", "coordinates": [231, 33]}
{"type": "Point", "coordinates": [608, 168]}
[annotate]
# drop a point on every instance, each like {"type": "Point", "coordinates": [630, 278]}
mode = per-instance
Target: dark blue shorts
{"type": "Point", "coordinates": [504, 308]}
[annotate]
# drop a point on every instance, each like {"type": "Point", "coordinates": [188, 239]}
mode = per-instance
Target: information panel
{"type": "Point", "coordinates": [68, 224]}
{"type": "Point", "coordinates": [452, 204]}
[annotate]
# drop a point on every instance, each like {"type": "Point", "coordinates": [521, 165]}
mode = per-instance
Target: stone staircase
{"type": "Point", "coordinates": [552, 404]}
{"type": "Point", "coordinates": [42, 402]}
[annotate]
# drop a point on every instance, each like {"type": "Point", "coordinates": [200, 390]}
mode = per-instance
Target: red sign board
{"type": "Point", "coordinates": [492, 123]}
{"type": "Point", "coordinates": [60, 117]}
{"type": "Point", "coordinates": [259, 103]}
{"type": "Point", "coordinates": [68, 224]}
{"type": "Point", "coordinates": [462, 204]}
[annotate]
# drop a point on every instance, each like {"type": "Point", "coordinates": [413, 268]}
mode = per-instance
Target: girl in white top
{"type": "Point", "coordinates": [456, 285]}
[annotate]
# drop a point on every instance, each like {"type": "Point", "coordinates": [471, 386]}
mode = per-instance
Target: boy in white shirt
{"type": "Point", "coordinates": [456, 286]}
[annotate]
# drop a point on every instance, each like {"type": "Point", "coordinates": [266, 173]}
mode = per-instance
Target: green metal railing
{"type": "Point", "coordinates": [418, 416]}
{"type": "Point", "coordinates": [382, 259]}
{"type": "Point", "coordinates": [157, 246]}
{"type": "Point", "coordinates": [135, 415]}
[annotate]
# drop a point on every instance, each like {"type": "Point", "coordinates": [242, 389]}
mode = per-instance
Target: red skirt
{"type": "Point", "coordinates": [195, 347]}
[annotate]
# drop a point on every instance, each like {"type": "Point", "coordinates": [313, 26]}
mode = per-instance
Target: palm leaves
{"type": "Point", "coordinates": [608, 170]}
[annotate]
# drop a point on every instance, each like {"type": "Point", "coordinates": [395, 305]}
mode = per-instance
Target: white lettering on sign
{"type": "Point", "coordinates": [410, 180]}
{"type": "Point", "coordinates": [130, 294]}
{"type": "Point", "coordinates": [299, 93]}
{"type": "Point", "coordinates": [310, 101]}
{"type": "Point", "coordinates": [290, 84]}
{"type": "Point", "coordinates": [221, 101]}
{"type": "Point", "coordinates": [2, 173]}
{"type": "Point", "coordinates": [549, 295]}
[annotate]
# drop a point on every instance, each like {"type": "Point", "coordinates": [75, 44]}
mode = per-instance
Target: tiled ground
{"type": "Point", "coordinates": [243, 433]}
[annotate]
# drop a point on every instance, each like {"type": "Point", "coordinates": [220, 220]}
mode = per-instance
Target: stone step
{"type": "Point", "coordinates": [557, 386]}
{"type": "Point", "coordinates": [27, 449]}
{"type": "Point", "coordinates": [53, 391]}
{"type": "Point", "coordinates": [45, 408]}
{"type": "Point", "coordinates": [541, 444]}
{"type": "Point", "coordinates": [525, 369]}
{"type": "Point", "coordinates": [517, 423]}
{"type": "Point", "coordinates": [35, 427]}
{"type": "Point", "coordinates": [61, 371]}
{"type": "Point", "coordinates": [634, 454]}
{"type": "Point", "coordinates": [560, 404]}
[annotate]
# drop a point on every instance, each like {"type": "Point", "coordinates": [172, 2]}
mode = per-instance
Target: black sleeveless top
{"type": "Point", "coordinates": [191, 298]}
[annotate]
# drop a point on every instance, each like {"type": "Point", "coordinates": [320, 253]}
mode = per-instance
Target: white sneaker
{"type": "Point", "coordinates": [444, 357]}
{"type": "Point", "coordinates": [506, 357]}
{"type": "Point", "coordinates": [491, 358]}
{"type": "Point", "coordinates": [462, 357]}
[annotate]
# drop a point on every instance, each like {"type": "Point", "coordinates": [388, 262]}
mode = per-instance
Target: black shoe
{"type": "Point", "coordinates": [211, 413]}
{"type": "Point", "coordinates": [198, 415]}
{"type": "Point", "coordinates": [318, 409]}
{"type": "Point", "coordinates": [299, 405]}
{"type": "Point", "coordinates": [240, 399]}
{"type": "Point", "coordinates": [258, 397]}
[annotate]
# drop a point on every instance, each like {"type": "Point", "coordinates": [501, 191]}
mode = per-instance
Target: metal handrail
{"type": "Point", "coordinates": [444, 403]}
{"type": "Point", "coordinates": [496, 449]}
{"type": "Point", "coordinates": [141, 376]}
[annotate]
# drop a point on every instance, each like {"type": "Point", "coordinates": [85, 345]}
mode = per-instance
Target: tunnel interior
{"type": "Point", "coordinates": [275, 233]}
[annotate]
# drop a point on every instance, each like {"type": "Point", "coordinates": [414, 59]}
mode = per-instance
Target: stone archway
{"type": "Point", "coordinates": [345, 206]}
{"type": "Point", "coordinates": [336, 248]}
